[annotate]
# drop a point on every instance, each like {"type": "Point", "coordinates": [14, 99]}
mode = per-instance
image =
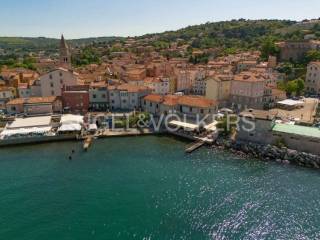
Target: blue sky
{"type": "Point", "coordinates": [92, 18]}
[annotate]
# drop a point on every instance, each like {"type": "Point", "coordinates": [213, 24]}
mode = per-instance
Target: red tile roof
{"type": "Point", "coordinates": [196, 101]}
{"type": "Point", "coordinates": [190, 101]}
{"type": "Point", "coordinates": [32, 100]}
{"type": "Point", "coordinates": [129, 88]}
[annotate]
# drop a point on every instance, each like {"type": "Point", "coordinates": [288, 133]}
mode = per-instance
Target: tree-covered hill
{"type": "Point", "coordinates": [239, 34]}
{"type": "Point", "coordinates": [42, 43]}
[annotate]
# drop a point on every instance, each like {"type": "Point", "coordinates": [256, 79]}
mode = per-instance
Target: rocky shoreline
{"type": "Point", "coordinates": [270, 153]}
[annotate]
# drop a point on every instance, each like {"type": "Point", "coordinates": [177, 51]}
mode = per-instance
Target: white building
{"type": "Point", "coordinates": [98, 97]}
{"type": "Point", "coordinates": [36, 89]}
{"type": "Point", "coordinates": [126, 96]}
{"type": "Point", "coordinates": [159, 85]}
{"type": "Point", "coordinates": [52, 82]}
{"type": "Point", "coordinates": [24, 91]}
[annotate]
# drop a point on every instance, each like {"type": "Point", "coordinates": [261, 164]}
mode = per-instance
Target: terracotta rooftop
{"type": "Point", "coordinates": [248, 77]}
{"type": "Point", "coordinates": [154, 98]}
{"type": "Point", "coordinates": [222, 77]}
{"type": "Point", "coordinates": [7, 88]}
{"type": "Point", "coordinates": [98, 84]}
{"type": "Point", "coordinates": [196, 101]}
{"type": "Point", "coordinates": [32, 100]}
{"type": "Point", "coordinates": [153, 80]}
{"type": "Point", "coordinates": [316, 63]}
{"type": "Point", "coordinates": [129, 88]}
{"type": "Point", "coordinates": [171, 100]}
{"type": "Point", "coordinates": [136, 71]}
{"type": "Point", "coordinates": [190, 101]}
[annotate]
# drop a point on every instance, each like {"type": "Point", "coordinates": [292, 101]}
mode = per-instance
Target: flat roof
{"type": "Point", "coordinates": [30, 122]}
{"type": "Point", "coordinates": [290, 102]}
{"type": "Point", "coordinates": [297, 130]}
{"type": "Point", "coordinates": [259, 114]}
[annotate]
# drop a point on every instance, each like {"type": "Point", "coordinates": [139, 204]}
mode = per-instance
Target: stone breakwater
{"type": "Point", "coordinates": [270, 153]}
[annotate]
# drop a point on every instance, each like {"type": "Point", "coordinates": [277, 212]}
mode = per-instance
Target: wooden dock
{"type": "Point", "coordinates": [194, 146]}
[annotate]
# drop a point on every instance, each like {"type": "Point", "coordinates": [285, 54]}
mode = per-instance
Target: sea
{"type": "Point", "coordinates": [149, 188]}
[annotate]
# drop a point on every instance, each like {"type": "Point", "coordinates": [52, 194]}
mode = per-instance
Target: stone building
{"type": "Point", "coordinates": [247, 91]}
{"type": "Point", "coordinates": [52, 82]}
{"type": "Point", "coordinates": [218, 88]}
{"type": "Point", "coordinates": [296, 50]}
{"type": "Point", "coordinates": [313, 78]}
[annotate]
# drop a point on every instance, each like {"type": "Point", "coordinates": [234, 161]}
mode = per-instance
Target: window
{"type": "Point", "coordinates": [151, 104]}
{"type": "Point", "coordinates": [190, 109]}
{"type": "Point", "coordinates": [94, 96]}
{"type": "Point", "coordinates": [103, 96]}
{"type": "Point", "coordinates": [50, 76]}
{"type": "Point", "coordinates": [51, 84]}
{"type": "Point", "coordinates": [61, 74]}
{"type": "Point", "coordinates": [61, 81]}
{"type": "Point", "coordinates": [112, 101]}
{"type": "Point", "coordinates": [52, 93]}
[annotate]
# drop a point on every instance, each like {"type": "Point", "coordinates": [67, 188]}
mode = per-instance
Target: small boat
{"type": "Point", "coordinates": [87, 143]}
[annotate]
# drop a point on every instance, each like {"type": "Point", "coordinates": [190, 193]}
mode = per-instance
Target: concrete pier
{"type": "Point", "coordinates": [194, 146]}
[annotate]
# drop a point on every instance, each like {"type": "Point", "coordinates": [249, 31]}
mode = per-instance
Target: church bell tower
{"type": "Point", "coordinates": [65, 56]}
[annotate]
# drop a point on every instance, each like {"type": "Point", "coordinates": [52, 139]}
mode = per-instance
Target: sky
{"type": "Point", "coordinates": [94, 18]}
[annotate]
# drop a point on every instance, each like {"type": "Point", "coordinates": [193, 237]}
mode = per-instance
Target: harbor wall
{"type": "Point", "coordinates": [35, 140]}
{"type": "Point", "coordinates": [271, 153]}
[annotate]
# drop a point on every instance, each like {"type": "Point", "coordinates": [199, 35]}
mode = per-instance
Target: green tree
{"type": "Point", "coordinates": [300, 86]}
{"type": "Point", "coordinates": [287, 68]}
{"type": "Point", "coordinates": [295, 87]}
{"type": "Point", "coordinates": [268, 48]}
{"type": "Point", "coordinates": [313, 55]}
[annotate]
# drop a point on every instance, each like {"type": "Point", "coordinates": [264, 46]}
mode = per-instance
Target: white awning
{"type": "Point", "coordinates": [93, 127]}
{"type": "Point", "coordinates": [30, 122]}
{"type": "Point", "coordinates": [71, 119]}
{"type": "Point", "coordinates": [290, 102]}
{"type": "Point", "coordinates": [70, 128]}
{"type": "Point", "coordinates": [24, 131]}
{"type": "Point", "coordinates": [184, 125]}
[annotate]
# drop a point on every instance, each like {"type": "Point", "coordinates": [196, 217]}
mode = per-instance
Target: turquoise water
{"type": "Point", "coordinates": [147, 188]}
